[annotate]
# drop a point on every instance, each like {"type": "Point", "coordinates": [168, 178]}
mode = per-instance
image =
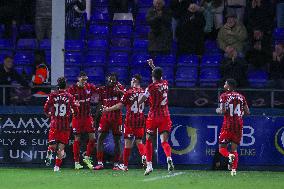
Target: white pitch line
{"type": "Point", "coordinates": [163, 177]}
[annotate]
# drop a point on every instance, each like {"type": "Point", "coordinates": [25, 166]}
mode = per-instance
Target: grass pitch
{"type": "Point", "coordinates": [134, 179]}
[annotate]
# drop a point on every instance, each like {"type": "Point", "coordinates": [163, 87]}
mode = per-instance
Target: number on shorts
{"type": "Point", "coordinates": [60, 110]}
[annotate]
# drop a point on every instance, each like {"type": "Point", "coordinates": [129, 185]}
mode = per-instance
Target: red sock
{"type": "Point", "coordinates": [149, 150]}
{"type": "Point", "coordinates": [126, 154]}
{"type": "Point", "coordinates": [141, 149]}
{"type": "Point", "coordinates": [167, 149]}
{"type": "Point", "coordinates": [116, 158]}
{"type": "Point", "coordinates": [100, 156]}
{"type": "Point", "coordinates": [90, 147]}
{"type": "Point", "coordinates": [58, 162]}
{"type": "Point", "coordinates": [76, 150]}
{"type": "Point", "coordinates": [235, 162]}
{"type": "Point", "coordinates": [224, 152]}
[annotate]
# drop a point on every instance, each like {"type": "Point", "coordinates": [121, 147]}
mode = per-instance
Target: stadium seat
{"type": "Point", "coordinates": [24, 70]}
{"type": "Point", "coordinates": [120, 59]}
{"type": "Point", "coordinates": [140, 60]}
{"type": "Point", "coordinates": [48, 57]}
{"type": "Point", "coordinates": [121, 31]}
{"type": "Point", "coordinates": [6, 44]}
{"type": "Point", "coordinates": [45, 44]}
{"type": "Point", "coordinates": [141, 18]}
{"type": "Point", "coordinates": [211, 60]}
{"type": "Point", "coordinates": [101, 2]}
{"type": "Point", "coordinates": [186, 76]}
{"type": "Point", "coordinates": [101, 9]}
{"type": "Point", "coordinates": [24, 58]}
{"type": "Point", "coordinates": [165, 61]}
{"type": "Point", "coordinates": [28, 44]}
{"type": "Point", "coordinates": [211, 47]}
{"type": "Point", "coordinates": [98, 31]}
{"type": "Point", "coordinates": [140, 45]}
{"type": "Point", "coordinates": [71, 73]}
{"type": "Point", "coordinates": [74, 45]}
{"type": "Point", "coordinates": [95, 74]}
{"type": "Point", "coordinates": [98, 17]}
{"type": "Point", "coordinates": [145, 3]}
{"type": "Point", "coordinates": [209, 77]}
{"type": "Point", "coordinates": [95, 59]}
{"type": "Point", "coordinates": [257, 78]}
{"type": "Point", "coordinates": [168, 74]}
{"type": "Point", "coordinates": [4, 53]}
{"type": "Point", "coordinates": [98, 45]}
{"type": "Point", "coordinates": [141, 31]}
{"type": "Point", "coordinates": [73, 58]}
{"type": "Point", "coordinates": [121, 44]}
{"type": "Point", "coordinates": [27, 31]}
{"type": "Point", "coordinates": [188, 61]}
{"type": "Point", "coordinates": [278, 34]}
{"type": "Point", "coordinates": [121, 72]}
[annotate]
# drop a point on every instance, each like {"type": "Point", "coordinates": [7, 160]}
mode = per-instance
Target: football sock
{"type": "Point", "coordinates": [58, 162]}
{"type": "Point", "coordinates": [50, 151]}
{"type": "Point", "coordinates": [90, 147]}
{"type": "Point", "coordinates": [149, 150]}
{"type": "Point", "coordinates": [76, 150]}
{"type": "Point", "coordinates": [100, 156]}
{"type": "Point", "coordinates": [235, 162]}
{"type": "Point", "coordinates": [224, 151]}
{"type": "Point", "coordinates": [126, 154]}
{"type": "Point", "coordinates": [167, 149]}
{"type": "Point", "coordinates": [116, 158]}
{"type": "Point", "coordinates": [141, 149]}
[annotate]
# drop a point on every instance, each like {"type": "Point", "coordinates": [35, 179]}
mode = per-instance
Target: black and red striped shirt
{"type": "Point", "coordinates": [157, 93]}
{"type": "Point", "coordinates": [109, 96]}
{"type": "Point", "coordinates": [135, 117]}
{"type": "Point", "coordinates": [60, 105]}
{"type": "Point", "coordinates": [83, 97]}
{"type": "Point", "coordinates": [234, 104]}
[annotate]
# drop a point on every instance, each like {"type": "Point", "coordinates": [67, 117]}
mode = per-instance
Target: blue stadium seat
{"type": "Point", "coordinates": [121, 31]}
{"type": "Point", "coordinates": [45, 44]}
{"type": "Point", "coordinates": [48, 57]}
{"type": "Point", "coordinates": [101, 9]}
{"type": "Point", "coordinates": [98, 17]}
{"type": "Point", "coordinates": [168, 74]}
{"type": "Point", "coordinates": [98, 31]}
{"type": "Point", "coordinates": [188, 60]}
{"type": "Point", "coordinates": [121, 44]}
{"type": "Point", "coordinates": [211, 60]}
{"type": "Point", "coordinates": [74, 45]}
{"type": "Point", "coordinates": [24, 69]}
{"type": "Point", "coordinates": [4, 53]}
{"type": "Point", "coordinates": [140, 45]}
{"type": "Point", "coordinates": [141, 31]}
{"type": "Point", "coordinates": [24, 58]}
{"type": "Point", "coordinates": [95, 74]}
{"type": "Point", "coordinates": [145, 3]}
{"type": "Point", "coordinates": [73, 58]}
{"type": "Point", "coordinates": [141, 18]}
{"type": "Point", "coordinates": [120, 59]}
{"type": "Point", "coordinates": [211, 47]}
{"type": "Point", "coordinates": [71, 73]}
{"type": "Point", "coordinates": [27, 31]}
{"type": "Point", "coordinates": [140, 60]}
{"type": "Point", "coordinates": [27, 44]}
{"type": "Point", "coordinates": [95, 59]}
{"type": "Point", "coordinates": [122, 73]}
{"type": "Point", "coordinates": [6, 44]}
{"type": "Point", "coordinates": [186, 76]}
{"type": "Point", "coordinates": [165, 61]}
{"type": "Point", "coordinates": [100, 2]}
{"type": "Point", "coordinates": [257, 78]}
{"type": "Point", "coordinates": [98, 45]}
{"type": "Point", "coordinates": [278, 34]}
{"type": "Point", "coordinates": [209, 77]}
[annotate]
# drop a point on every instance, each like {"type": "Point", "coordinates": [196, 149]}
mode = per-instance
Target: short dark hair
{"type": "Point", "coordinates": [157, 73]}
{"type": "Point", "coordinates": [138, 77]}
{"type": "Point", "coordinates": [8, 56]}
{"type": "Point", "coordinates": [82, 74]}
{"type": "Point", "coordinates": [113, 74]}
{"type": "Point", "coordinates": [232, 83]}
{"type": "Point", "coordinates": [61, 83]}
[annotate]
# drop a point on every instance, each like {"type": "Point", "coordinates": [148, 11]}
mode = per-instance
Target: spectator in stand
{"type": "Point", "coordinates": [237, 7]}
{"type": "Point", "coordinates": [8, 76]}
{"type": "Point", "coordinates": [75, 18]}
{"type": "Point", "coordinates": [233, 34]}
{"type": "Point", "coordinates": [43, 17]}
{"type": "Point", "coordinates": [190, 31]}
{"type": "Point", "coordinates": [160, 35]}
{"type": "Point", "coordinates": [213, 14]}
{"type": "Point", "coordinates": [277, 66]}
{"type": "Point", "coordinates": [233, 66]}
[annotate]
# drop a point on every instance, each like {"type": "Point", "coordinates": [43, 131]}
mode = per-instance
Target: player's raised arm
{"type": "Point", "coordinates": [144, 97]}
{"type": "Point", "coordinates": [47, 106]}
{"type": "Point", "coordinates": [118, 106]}
{"type": "Point", "coordinates": [151, 63]}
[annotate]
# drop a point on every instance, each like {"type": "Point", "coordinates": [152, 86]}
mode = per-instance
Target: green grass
{"type": "Point", "coordinates": [133, 179]}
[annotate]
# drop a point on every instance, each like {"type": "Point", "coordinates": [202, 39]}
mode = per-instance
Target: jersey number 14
{"type": "Point", "coordinates": [235, 110]}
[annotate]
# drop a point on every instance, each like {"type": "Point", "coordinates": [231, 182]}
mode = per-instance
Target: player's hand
{"type": "Point", "coordinates": [151, 63]}
{"type": "Point", "coordinates": [104, 109]}
{"type": "Point", "coordinates": [218, 111]}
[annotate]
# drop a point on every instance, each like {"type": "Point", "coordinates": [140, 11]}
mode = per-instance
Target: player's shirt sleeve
{"type": "Point", "coordinates": [124, 99]}
{"type": "Point", "coordinates": [74, 106]}
{"type": "Point", "coordinates": [47, 104]}
{"type": "Point", "coordinates": [93, 88]}
{"type": "Point", "coordinates": [147, 92]}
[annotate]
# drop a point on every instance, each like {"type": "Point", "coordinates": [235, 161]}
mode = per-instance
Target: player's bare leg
{"type": "Point", "coordinates": [90, 148]}
{"type": "Point", "coordinates": [76, 151]}
{"type": "Point", "coordinates": [100, 148]}
{"type": "Point", "coordinates": [149, 154]}
{"type": "Point", "coordinates": [167, 149]}
{"type": "Point", "coordinates": [117, 152]}
{"type": "Point", "coordinates": [59, 157]}
{"type": "Point", "coordinates": [51, 148]}
{"type": "Point", "coordinates": [235, 158]}
{"type": "Point", "coordinates": [142, 152]}
{"type": "Point", "coordinates": [126, 153]}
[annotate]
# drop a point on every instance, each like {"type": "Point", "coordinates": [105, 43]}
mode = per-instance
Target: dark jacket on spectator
{"type": "Point", "coordinates": [190, 33]}
{"type": "Point", "coordinates": [179, 8]}
{"type": "Point", "coordinates": [277, 69]}
{"type": "Point", "coordinates": [258, 58]}
{"type": "Point", "coordinates": [6, 78]}
{"type": "Point", "coordinates": [160, 35]}
{"type": "Point", "coordinates": [234, 69]}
